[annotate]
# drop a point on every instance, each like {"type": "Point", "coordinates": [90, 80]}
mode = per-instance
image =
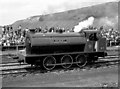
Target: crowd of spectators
{"type": "Point", "coordinates": [11, 37]}
{"type": "Point", "coordinates": [53, 29]}
{"type": "Point", "coordinates": [112, 36]}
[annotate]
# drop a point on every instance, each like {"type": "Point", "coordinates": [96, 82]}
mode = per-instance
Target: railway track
{"type": "Point", "coordinates": [15, 63]}
{"type": "Point", "coordinates": [17, 68]}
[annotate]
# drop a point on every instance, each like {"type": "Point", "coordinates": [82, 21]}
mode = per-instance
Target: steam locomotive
{"type": "Point", "coordinates": [48, 50]}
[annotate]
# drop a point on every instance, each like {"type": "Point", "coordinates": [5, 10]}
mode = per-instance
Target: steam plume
{"type": "Point", "coordinates": [84, 24]}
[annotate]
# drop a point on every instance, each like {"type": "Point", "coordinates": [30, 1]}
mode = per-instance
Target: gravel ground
{"type": "Point", "coordinates": [101, 77]}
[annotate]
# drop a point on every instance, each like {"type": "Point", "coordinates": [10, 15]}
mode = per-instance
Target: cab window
{"type": "Point", "coordinates": [93, 37]}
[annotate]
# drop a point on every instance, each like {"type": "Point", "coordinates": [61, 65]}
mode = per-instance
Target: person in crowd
{"type": "Point", "coordinates": [51, 29]}
{"type": "Point", "coordinates": [10, 37]}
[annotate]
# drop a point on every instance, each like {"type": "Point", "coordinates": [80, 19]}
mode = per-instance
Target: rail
{"type": "Point", "coordinates": [16, 68]}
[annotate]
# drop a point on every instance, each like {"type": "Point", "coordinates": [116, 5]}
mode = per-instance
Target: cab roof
{"type": "Point", "coordinates": [91, 31]}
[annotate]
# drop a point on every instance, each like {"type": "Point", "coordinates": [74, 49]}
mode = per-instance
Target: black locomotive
{"type": "Point", "coordinates": [48, 50]}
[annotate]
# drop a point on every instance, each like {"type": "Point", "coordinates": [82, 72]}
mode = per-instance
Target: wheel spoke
{"type": "Point", "coordinates": [49, 63]}
{"type": "Point", "coordinates": [66, 61]}
{"type": "Point", "coordinates": [81, 60]}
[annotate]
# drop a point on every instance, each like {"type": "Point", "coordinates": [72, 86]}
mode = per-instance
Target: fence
{"type": "Point", "coordinates": [13, 47]}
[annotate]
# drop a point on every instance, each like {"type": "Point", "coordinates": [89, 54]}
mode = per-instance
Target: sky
{"type": "Point", "coordinates": [13, 10]}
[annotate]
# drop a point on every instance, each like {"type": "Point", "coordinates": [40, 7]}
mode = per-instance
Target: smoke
{"type": "Point", "coordinates": [84, 24]}
{"type": "Point", "coordinates": [109, 22]}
